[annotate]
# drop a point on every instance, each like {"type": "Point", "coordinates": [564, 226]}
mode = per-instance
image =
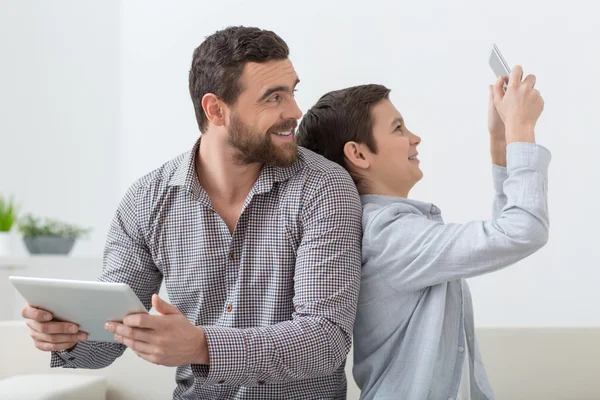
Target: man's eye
{"type": "Point", "coordinates": [275, 98]}
{"type": "Point", "coordinates": [399, 128]}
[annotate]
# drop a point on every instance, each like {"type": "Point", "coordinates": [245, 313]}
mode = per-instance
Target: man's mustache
{"type": "Point", "coordinates": [285, 126]}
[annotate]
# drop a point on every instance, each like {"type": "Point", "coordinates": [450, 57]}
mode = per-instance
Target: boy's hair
{"type": "Point", "coordinates": [339, 117]}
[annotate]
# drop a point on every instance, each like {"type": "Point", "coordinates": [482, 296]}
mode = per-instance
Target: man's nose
{"type": "Point", "coordinates": [292, 111]}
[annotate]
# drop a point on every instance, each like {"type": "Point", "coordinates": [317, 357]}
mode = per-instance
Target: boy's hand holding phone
{"type": "Point", "coordinates": [514, 100]}
{"type": "Point", "coordinates": [519, 107]}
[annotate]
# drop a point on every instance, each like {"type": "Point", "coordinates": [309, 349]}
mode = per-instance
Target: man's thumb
{"type": "Point", "coordinates": [163, 307]}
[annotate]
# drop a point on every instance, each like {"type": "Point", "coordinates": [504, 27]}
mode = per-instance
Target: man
{"type": "Point", "coordinates": [414, 332]}
{"type": "Point", "coordinates": [258, 243]}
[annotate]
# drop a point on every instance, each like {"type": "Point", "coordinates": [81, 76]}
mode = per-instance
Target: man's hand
{"type": "Point", "coordinates": [168, 339]}
{"type": "Point", "coordinates": [520, 107]}
{"type": "Point", "coordinates": [51, 335]}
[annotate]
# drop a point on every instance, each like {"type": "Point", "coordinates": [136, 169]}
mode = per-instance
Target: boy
{"type": "Point", "coordinates": [414, 331]}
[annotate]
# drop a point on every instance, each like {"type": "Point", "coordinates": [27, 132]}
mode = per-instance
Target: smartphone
{"type": "Point", "coordinates": [499, 64]}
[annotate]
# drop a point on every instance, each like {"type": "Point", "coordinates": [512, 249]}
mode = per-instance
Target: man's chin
{"type": "Point", "coordinates": [287, 154]}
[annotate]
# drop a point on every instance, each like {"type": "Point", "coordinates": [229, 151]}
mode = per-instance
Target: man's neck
{"type": "Point", "coordinates": [220, 174]}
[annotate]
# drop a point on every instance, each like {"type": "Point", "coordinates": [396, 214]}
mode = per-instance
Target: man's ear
{"type": "Point", "coordinates": [214, 109]}
{"type": "Point", "coordinates": [356, 156]}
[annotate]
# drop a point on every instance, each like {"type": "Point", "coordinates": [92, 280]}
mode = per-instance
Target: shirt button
{"type": "Point", "coordinates": [261, 382]}
{"type": "Point", "coordinates": [461, 349]}
{"type": "Point", "coordinates": [232, 255]}
{"type": "Point", "coordinates": [229, 308]}
{"type": "Point", "coordinates": [221, 382]}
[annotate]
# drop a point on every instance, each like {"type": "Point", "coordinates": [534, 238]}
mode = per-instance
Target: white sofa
{"type": "Point", "coordinates": [523, 363]}
{"type": "Point", "coordinates": [542, 363]}
{"type": "Point", "coordinates": [128, 378]}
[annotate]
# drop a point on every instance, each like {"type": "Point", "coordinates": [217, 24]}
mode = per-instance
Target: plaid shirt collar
{"type": "Point", "coordinates": [185, 176]}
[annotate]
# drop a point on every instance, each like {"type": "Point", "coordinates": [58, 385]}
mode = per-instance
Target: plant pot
{"type": "Point", "coordinates": [5, 243]}
{"type": "Point", "coordinates": [49, 244]}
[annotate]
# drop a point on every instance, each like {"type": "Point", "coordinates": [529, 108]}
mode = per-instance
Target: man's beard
{"type": "Point", "coordinates": [253, 147]}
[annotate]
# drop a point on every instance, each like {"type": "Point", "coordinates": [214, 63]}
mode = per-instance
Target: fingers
{"type": "Point", "coordinates": [530, 80]}
{"type": "Point", "coordinates": [52, 328]}
{"type": "Point", "coordinates": [515, 80]}
{"type": "Point", "coordinates": [538, 94]}
{"type": "Point", "coordinates": [46, 346]}
{"type": "Point", "coordinates": [138, 346]}
{"type": "Point", "coordinates": [498, 90]}
{"type": "Point", "coordinates": [516, 76]}
{"type": "Point", "coordinates": [140, 340]}
{"type": "Point", "coordinates": [540, 98]}
{"type": "Point", "coordinates": [140, 320]}
{"type": "Point", "coordinates": [58, 338]}
{"type": "Point", "coordinates": [51, 335]}
{"type": "Point", "coordinates": [154, 359]}
{"type": "Point", "coordinates": [128, 332]}
{"type": "Point", "coordinates": [35, 314]}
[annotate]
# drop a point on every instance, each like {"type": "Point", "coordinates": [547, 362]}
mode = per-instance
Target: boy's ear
{"type": "Point", "coordinates": [356, 156]}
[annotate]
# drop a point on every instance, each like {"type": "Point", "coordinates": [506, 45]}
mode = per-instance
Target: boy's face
{"type": "Point", "coordinates": [394, 169]}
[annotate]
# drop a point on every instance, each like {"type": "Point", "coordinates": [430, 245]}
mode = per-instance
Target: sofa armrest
{"type": "Point", "coordinates": [53, 387]}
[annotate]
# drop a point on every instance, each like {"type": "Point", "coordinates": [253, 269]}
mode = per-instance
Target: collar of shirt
{"type": "Point", "coordinates": [186, 176]}
{"type": "Point", "coordinates": [412, 206]}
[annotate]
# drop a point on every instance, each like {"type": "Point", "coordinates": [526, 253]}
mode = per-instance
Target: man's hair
{"type": "Point", "coordinates": [339, 117]}
{"type": "Point", "coordinates": [219, 61]}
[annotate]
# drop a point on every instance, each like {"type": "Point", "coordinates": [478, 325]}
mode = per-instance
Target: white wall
{"type": "Point", "coordinates": [434, 57]}
{"type": "Point", "coordinates": [94, 95]}
{"type": "Point", "coordinates": [59, 110]}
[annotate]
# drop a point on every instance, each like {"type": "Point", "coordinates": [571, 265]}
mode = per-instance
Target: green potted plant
{"type": "Point", "coordinates": [49, 236]}
{"type": "Point", "coordinates": [8, 217]}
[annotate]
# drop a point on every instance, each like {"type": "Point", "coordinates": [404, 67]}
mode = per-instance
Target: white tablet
{"type": "Point", "coordinates": [85, 303]}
